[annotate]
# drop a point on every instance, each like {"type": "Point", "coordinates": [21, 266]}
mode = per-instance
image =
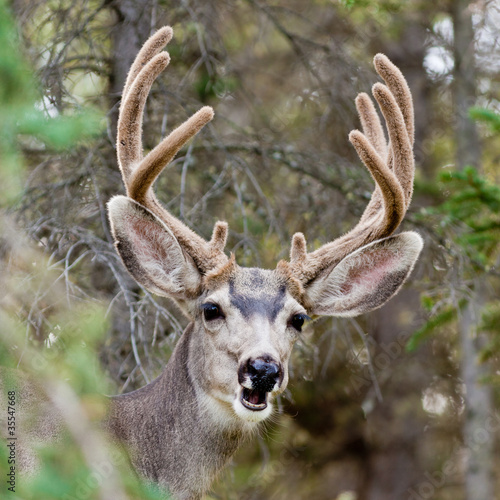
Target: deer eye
{"type": "Point", "coordinates": [297, 321]}
{"type": "Point", "coordinates": [212, 311]}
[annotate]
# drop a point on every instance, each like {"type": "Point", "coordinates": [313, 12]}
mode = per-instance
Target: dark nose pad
{"type": "Point", "coordinates": [263, 373]}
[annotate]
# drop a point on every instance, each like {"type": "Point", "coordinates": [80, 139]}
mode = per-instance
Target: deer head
{"type": "Point", "coordinates": [245, 320]}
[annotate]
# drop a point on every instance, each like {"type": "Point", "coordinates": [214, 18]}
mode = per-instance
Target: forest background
{"type": "Point", "coordinates": [402, 403]}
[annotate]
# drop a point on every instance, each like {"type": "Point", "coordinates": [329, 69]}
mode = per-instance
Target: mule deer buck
{"type": "Point", "coordinates": [231, 361]}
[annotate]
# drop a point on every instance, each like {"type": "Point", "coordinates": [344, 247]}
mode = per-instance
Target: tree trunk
{"type": "Point", "coordinates": [135, 19]}
{"type": "Point", "coordinates": [478, 396]}
{"type": "Point", "coordinates": [478, 401]}
{"type": "Point", "coordinates": [464, 86]}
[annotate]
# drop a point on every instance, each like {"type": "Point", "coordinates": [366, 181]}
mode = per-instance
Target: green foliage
{"type": "Point", "coordinates": [350, 3]}
{"type": "Point", "coordinates": [468, 219]}
{"type": "Point", "coordinates": [487, 116]}
{"type": "Point", "coordinates": [21, 113]}
{"type": "Point", "coordinates": [473, 205]}
{"type": "Point", "coordinates": [210, 86]}
{"type": "Point", "coordinates": [490, 324]}
{"type": "Point", "coordinates": [388, 5]}
{"type": "Point", "coordinates": [61, 132]}
{"type": "Point", "coordinates": [442, 318]}
{"type": "Point", "coordinates": [49, 343]}
{"type": "Point", "coordinates": [49, 339]}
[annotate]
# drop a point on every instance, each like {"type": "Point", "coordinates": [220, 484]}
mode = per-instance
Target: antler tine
{"type": "Point", "coordinates": [392, 168]}
{"type": "Point", "coordinates": [398, 86]}
{"type": "Point", "coordinates": [129, 137]}
{"type": "Point", "coordinates": [399, 89]}
{"type": "Point", "coordinates": [150, 168]}
{"type": "Point", "coordinates": [370, 123]}
{"type": "Point", "coordinates": [129, 143]}
{"type": "Point", "coordinates": [151, 47]}
{"type": "Point", "coordinates": [139, 174]}
{"type": "Point", "coordinates": [372, 128]}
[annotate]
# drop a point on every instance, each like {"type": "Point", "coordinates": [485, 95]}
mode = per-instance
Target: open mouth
{"type": "Point", "coordinates": [253, 399]}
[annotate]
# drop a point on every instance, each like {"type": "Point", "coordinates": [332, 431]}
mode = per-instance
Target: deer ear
{"type": "Point", "coordinates": [367, 278]}
{"type": "Point", "coordinates": [150, 252]}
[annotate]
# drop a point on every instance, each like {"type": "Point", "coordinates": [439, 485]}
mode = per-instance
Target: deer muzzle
{"type": "Point", "coordinates": [258, 377]}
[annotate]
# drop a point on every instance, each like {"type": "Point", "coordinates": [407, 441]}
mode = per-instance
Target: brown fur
{"type": "Point", "coordinates": [294, 285]}
{"type": "Point", "coordinates": [219, 238]}
{"type": "Point", "coordinates": [182, 428]}
{"type": "Point", "coordinates": [221, 275]}
{"type": "Point", "coordinates": [165, 427]}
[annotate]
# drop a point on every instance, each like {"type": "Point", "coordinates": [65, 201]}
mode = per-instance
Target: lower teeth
{"type": "Point", "coordinates": [245, 400]}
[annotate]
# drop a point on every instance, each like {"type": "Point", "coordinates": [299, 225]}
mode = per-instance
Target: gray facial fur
{"type": "Point", "coordinates": [254, 291]}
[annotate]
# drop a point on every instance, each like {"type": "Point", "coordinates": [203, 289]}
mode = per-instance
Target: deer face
{"type": "Point", "coordinates": [246, 320]}
{"type": "Point", "coordinates": [247, 327]}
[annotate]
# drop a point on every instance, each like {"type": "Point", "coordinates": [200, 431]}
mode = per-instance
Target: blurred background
{"type": "Point", "coordinates": [402, 403]}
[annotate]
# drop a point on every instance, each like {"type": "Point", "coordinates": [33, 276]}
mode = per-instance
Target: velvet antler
{"type": "Point", "coordinates": [139, 173]}
{"type": "Point", "coordinates": [391, 166]}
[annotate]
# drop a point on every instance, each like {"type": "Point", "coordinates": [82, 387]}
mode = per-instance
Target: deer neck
{"type": "Point", "coordinates": [172, 414]}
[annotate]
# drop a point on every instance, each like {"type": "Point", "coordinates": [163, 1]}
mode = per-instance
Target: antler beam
{"type": "Point", "coordinates": [391, 166]}
{"type": "Point", "coordinates": [139, 173]}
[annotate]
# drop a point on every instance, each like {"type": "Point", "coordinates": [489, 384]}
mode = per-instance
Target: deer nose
{"type": "Point", "coordinates": [264, 372]}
